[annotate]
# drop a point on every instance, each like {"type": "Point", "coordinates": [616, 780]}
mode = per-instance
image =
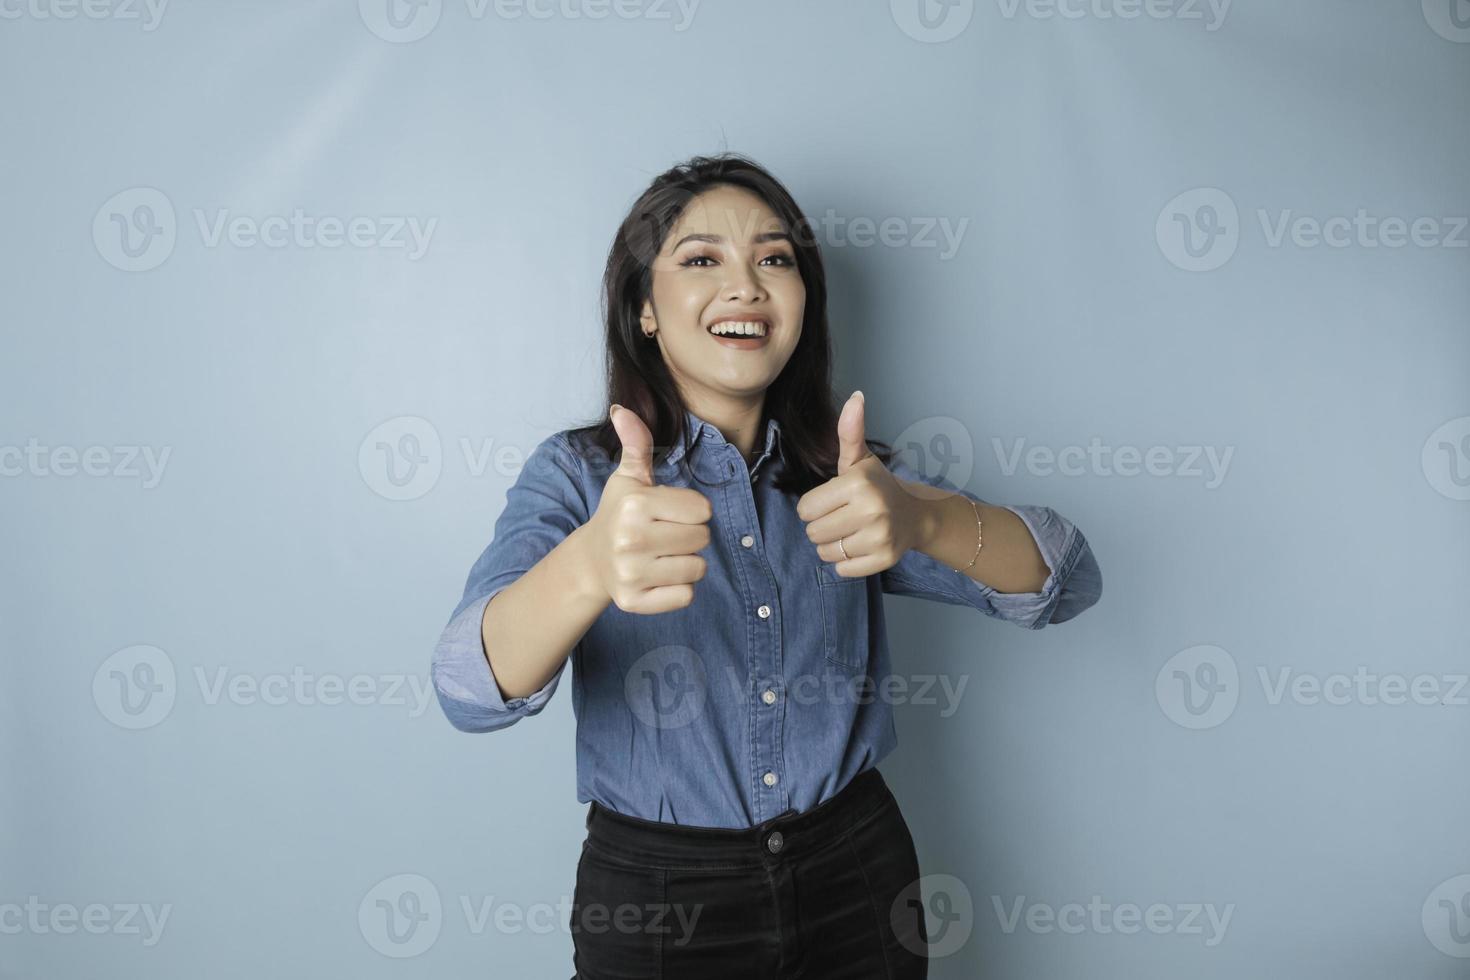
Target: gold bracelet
{"type": "Point", "coordinates": [979, 536]}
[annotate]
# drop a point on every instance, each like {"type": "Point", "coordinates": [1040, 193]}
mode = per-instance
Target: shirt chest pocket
{"type": "Point", "coordinates": [844, 618]}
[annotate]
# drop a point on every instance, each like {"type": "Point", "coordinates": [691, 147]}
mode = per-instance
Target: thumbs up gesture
{"type": "Point", "coordinates": [864, 510]}
{"type": "Point", "coordinates": [644, 536]}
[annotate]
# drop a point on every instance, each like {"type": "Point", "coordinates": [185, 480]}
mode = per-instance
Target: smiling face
{"type": "Point", "coordinates": [727, 259]}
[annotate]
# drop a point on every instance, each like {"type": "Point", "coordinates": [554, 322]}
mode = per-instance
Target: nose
{"type": "Point", "coordinates": [743, 283]}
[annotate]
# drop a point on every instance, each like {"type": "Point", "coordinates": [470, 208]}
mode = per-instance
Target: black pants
{"type": "Point", "coordinates": [829, 894]}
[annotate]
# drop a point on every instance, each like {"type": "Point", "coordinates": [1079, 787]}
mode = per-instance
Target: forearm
{"type": "Point", "coordinates": [1009, 560]}
{"type": "Point", "coordinates": [531, 626]}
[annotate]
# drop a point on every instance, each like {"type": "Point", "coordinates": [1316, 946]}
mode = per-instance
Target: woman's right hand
{"type": "Point", "coordinates": [643, 537]}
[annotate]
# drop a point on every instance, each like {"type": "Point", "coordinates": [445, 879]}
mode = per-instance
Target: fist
{"type": "Point", "coordinates": [645, 537]}
{"type": "Point", "coordinates": [864, 510]}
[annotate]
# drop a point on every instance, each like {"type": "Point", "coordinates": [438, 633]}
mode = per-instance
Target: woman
{"type": "Point", "coordinates": [721, 604]}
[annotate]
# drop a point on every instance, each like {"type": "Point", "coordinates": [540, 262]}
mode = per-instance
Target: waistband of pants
{"type": "Point", "coordinates": [784, 836]}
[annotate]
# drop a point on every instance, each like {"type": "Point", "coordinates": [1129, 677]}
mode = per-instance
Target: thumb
{"type": "Point", "coordinates": [637, 459]}
{"type": "Point", "coordinates": [851, 426]}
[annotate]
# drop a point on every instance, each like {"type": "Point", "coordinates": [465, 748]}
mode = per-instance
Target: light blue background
{"type": "Point", "coordinates": [1335, 540]}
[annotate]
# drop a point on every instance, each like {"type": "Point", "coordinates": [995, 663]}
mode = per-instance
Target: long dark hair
{"type": "Point", "coordinates": [800, 398]}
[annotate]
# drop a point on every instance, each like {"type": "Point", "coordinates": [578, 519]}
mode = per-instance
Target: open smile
{"type": "Point", "coordinates": [741, 334]}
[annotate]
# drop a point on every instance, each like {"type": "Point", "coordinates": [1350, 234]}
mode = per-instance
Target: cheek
{"type": "Point", "coordinates": [795, 314]}
{"type": "Point", "coordinates": [688, 307]}
{"type": "Point", "coordinates": [793, 299]}
{"type": "Point", "coordinates": [681, 301]}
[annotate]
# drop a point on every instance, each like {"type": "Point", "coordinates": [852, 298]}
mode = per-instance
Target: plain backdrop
{"type": "Point", "coordinates": [1204, 292]}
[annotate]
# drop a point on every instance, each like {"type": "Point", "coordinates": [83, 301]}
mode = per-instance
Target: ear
{"type": "Point", "coordinates": [646, 319]}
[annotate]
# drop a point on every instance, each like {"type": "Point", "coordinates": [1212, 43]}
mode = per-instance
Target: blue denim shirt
{"type": "Point", "coordinates": [762, 695]}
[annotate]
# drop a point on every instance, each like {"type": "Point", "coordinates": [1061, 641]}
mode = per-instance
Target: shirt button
{"type": "Point", "coordinates": [769, 778]}
{"type": "Point", "coordinates": [764, 612]}
{"type": "Point", "coordinates": [747, 541]}
{"type": "Point", "coordinates": [768, 696]}
{"type": "Point", "coordinates": [774, 842]}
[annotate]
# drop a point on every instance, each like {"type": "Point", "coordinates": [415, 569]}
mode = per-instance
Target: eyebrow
{"type": "Point", "coordinates": [762, 238]}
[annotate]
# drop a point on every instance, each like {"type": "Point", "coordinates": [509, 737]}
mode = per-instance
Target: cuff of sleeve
{"type": "Point", "coordinates": [1060, 546]}
{"type": "Point", "coordinates": [462, 672]}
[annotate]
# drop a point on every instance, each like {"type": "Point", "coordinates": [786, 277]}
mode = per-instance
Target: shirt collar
{"type": "Point", "coordinates": [699, 428]}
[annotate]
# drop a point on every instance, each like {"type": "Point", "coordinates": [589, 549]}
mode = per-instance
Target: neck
{"type": "Point", "coordinates": [738, 421]}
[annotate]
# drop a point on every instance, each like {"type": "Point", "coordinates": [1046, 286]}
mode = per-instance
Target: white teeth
{"type": "Point", "coordinates": [743, 328]}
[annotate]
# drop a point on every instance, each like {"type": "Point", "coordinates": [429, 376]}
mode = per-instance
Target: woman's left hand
{"type": "Point", "coordinates": [864, 510]}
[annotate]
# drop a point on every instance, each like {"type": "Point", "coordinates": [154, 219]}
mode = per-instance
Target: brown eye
{"type": "Point", "coordinates": [782, 260]}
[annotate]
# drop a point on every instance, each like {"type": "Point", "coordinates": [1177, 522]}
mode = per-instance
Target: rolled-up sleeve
{"type": "Point", "coordinates": [1074, 582]}
{"type": "Point", "coordinates": [544, 505]}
